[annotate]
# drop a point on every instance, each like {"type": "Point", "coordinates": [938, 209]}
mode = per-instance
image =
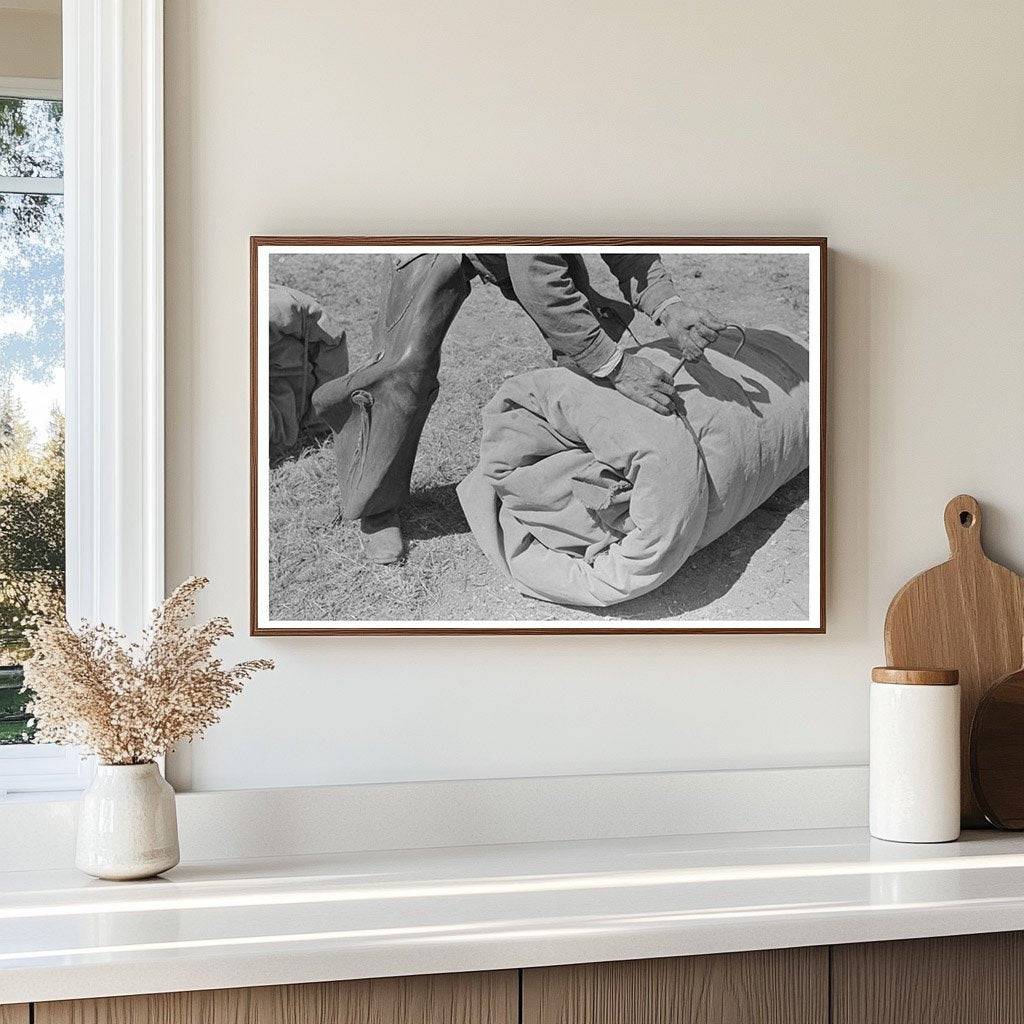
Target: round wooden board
{"type": "Point", "coordinates": [997, 752]}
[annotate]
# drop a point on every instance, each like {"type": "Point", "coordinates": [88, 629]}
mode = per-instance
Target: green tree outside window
{"type": "Point", "coordinates": [32, 555]}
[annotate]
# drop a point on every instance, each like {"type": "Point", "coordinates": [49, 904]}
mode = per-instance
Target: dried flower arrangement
{"type": "Point", "coordinates": [129, 703]}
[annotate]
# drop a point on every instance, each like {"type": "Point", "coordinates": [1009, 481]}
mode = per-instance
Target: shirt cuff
{"type": "Point", "coordinates": [599, 352]}
{"type": "Point", "coordinates": [610, 367]}
{"type": "Point", "coordinates": [655, 295]}
{"type": "Point", "coordinates": [662, 306]}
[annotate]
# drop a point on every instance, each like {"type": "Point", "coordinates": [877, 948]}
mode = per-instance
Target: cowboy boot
{"type": "Point", "coordinates": [382, 538]}
{"type": "Point", "coordinates": [377, 412]}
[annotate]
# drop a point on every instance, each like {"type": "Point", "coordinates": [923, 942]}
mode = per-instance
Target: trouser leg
{"type": "Point", "coordinates": [377, 412]}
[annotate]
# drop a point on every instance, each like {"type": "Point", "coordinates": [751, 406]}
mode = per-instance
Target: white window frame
{"type": "Point", "coordinates": [32, 88]}
{"type": "Point", "coordinates": [114, 329]}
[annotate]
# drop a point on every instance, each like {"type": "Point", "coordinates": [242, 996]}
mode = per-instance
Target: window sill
{"type": "Point", "coordinates": [36, 772]}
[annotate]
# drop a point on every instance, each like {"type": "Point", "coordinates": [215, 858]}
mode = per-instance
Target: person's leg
{"type": "Point", "coordinates": [377, 412]}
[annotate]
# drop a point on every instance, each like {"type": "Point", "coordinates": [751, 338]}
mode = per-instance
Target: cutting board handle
{"type": "Point", "coordinates": [963, 526]}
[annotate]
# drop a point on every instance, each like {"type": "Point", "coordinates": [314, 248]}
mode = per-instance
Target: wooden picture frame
{"type": "Point", "coordinates": [263, 247]}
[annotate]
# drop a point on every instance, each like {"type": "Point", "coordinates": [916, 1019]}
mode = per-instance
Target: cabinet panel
{"type": "Point", "coordinates": [778, 986]}
{"type": "Point", "coordinates": [962, 979]}
{"type": "Point", "coordinates": [14, 1013]}
{"type": "Point", "coordinates": [483, 998]}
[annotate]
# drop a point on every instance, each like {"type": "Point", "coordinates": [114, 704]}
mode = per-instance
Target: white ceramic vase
{"type": "Point", "coordinates": [127, 825]}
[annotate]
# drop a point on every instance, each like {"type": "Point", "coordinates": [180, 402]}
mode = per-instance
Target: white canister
{"type": "Point", "coordinates": [915, 755]}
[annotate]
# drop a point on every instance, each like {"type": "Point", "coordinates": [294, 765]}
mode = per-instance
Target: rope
{"type": "Point", "coordinates": [743, 336]}
{"type": "Point", "coordinates": [609, 313]}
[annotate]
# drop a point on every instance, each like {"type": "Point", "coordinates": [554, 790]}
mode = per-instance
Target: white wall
{"type": "Point", "coordinates": [895, 129]}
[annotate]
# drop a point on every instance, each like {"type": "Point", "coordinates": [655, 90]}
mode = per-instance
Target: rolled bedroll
{"type": "Point", "coordinates": [583, 497]}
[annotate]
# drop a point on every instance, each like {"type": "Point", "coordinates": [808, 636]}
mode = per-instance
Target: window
{"type": "Point", "coordinates": [32, 549]}
{"type": "Point", "coordinates": [109, 209]}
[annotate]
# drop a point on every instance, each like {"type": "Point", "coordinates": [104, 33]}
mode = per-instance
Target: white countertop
{"type": "Point", "coordinates": [261, 922]}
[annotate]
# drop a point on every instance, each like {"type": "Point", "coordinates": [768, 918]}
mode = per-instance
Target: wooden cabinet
{"type": "Point", "coordinates": [491, 998]}
{"type": "Point", "coordinates": [778, 986]}
{"type": "Point", "coordinates": [962, 979]}
{"type": "Point", "coordinates": [971, 979]}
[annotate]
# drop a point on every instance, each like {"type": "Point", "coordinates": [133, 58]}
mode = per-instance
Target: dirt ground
{"type": "Point", "coordinates": [318, 572]}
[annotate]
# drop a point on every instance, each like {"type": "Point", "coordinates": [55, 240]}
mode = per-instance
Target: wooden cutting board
{"type": "Point", "coordinates": [967, 614]}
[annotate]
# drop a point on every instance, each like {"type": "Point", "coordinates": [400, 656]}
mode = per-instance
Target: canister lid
{"type": "Point", "coordinates": [916, 676]}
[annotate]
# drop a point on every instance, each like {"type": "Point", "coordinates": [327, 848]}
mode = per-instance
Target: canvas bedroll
{"type": "Point", "coordinates": [586, 498]}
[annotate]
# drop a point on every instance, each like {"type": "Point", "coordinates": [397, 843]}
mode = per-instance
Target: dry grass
{"type": "Point", "coordinates": [317, 569]}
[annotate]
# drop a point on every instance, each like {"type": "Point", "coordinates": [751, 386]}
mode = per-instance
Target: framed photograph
{"type": "Point", "coordinates": [537, 435]}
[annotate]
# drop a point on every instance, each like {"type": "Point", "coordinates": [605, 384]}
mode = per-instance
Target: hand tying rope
{"type": "Point", "coordinates": [609, 313]}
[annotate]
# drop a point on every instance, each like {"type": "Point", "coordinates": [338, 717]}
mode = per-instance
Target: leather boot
{"type": "Point", "coordinates": [382, 538]}
{"type": "Point", "coordinates": [377, 412]}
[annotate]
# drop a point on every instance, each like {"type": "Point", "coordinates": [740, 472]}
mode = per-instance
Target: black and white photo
{"type": "Point", "coordinates": [594, 435]}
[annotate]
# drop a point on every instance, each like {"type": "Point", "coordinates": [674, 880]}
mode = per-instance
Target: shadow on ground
{"type": "Point", "coordinates": [434, 512]}
{"type": "Point", "coordinates": [710, 576]}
